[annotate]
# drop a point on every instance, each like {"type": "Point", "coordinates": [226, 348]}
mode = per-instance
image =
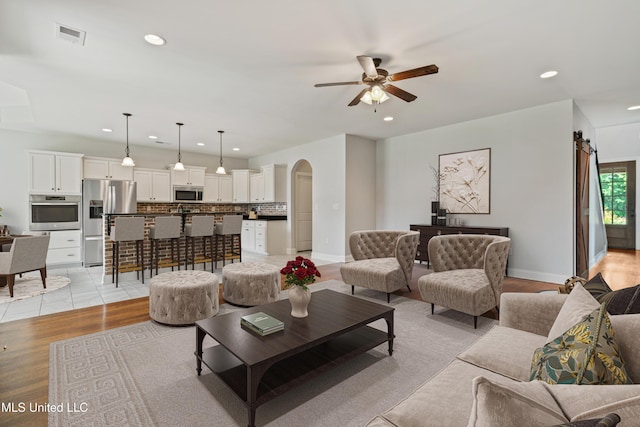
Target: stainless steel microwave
{"type": "Point", "coordinates": [55, 212]}
{"type": "Point", "coordinates": [187, 194]}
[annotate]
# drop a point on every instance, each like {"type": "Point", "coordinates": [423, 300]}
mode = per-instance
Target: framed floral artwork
{"type": "Point", "coordinates": [465, 182]}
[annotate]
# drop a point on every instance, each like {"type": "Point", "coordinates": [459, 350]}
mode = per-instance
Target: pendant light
{"type": "Point", "coordinates": [127, 161]}
{"type": "Point", "coordinates": [220, 170]}
{"type": "Point", "coordinates": [179, 166]}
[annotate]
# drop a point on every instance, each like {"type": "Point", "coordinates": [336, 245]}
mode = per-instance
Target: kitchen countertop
{"type": "Point", "coordinates": [266, 218]}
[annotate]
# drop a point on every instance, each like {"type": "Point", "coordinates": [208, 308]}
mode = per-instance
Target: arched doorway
{"type": "Point", "coordinates": [302, 209]}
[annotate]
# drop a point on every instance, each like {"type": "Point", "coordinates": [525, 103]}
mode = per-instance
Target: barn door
{"type": "Point", "coordinates": [583, 151]}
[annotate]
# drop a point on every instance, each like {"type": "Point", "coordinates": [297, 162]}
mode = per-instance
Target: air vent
{"type": "Point", "coordinates": [71, 35]}
{"type": "Point", "coordinates": [162, 142]}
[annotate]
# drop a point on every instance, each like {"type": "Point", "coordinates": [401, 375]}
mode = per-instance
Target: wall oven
{"type": "Point", "coordinates": [187, 194]}
{"type": "Point", "coordinates": [55, 212]}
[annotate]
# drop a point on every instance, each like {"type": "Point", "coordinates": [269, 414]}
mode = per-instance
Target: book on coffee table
{"type": "Point", "coordinates": [261, 323]}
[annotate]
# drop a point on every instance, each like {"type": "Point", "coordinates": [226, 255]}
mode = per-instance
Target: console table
{"type": "Point", "coordinates": [428, 231]}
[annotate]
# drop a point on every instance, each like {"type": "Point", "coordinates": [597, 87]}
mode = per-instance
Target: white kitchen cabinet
{"type": "Point", "coordinates": [105, 168]}
{"type": "Point", "coordinates": [153, 185]}
{"type": "Point", "coordinates": [264, 237]}
{"type": "Point", "coordinates": [55, 173]}
{"type": "Point", "coordinates": [218, 188]}
{"type": "Point", "coordinates": [269, 185]}
{"type": "Point", "coordinates": [65, 247]}
{"type": "Point", "coordinates": [241, 185]}
{"type": "Point", "coordinates": [191, 175]}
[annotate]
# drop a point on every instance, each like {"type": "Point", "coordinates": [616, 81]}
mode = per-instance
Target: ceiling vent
{"type": "Point", "coordinates": [162, 142]}
{"type": "Point", "coordinates": [71, 35]}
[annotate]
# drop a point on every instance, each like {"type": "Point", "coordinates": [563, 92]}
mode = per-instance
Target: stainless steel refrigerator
{"type": "Point", "coordinates": [102, 196]}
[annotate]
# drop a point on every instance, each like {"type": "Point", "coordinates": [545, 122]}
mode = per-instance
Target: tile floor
{"type": "Point", "coordinates": [86, 289]}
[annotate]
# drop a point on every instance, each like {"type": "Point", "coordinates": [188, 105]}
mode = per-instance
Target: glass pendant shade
{"type": "Point", "coordinates": [374, 96]}
{"type": "Point", "coordinates": [127, 161]}
{"type": "Point", "coordinates": [179, 166]}
{"type": "Point", "coordinates": [220, 170]}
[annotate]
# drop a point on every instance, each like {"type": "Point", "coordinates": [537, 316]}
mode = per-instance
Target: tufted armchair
{"type": "Point", "coordinates": [383, 260]}
{"type": "Point", "coordinates": [26, 254]}
{"type": "Point", "coordinates": [468, 272]}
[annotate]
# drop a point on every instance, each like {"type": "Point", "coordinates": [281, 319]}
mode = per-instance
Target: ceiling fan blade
{"type": "Point", "coordinates": [337, 84]}
{"type": "Point", "coordinates": [402, 94]}
{"type": "Point", "coordinates": [416, 72]}
{"type": "Point", "coordinates": [356, 100]}
{"type": "Point", "coordinates": [367, 64]}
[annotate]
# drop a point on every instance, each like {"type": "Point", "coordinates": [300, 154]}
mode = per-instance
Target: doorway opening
{"type": "Point", "coordinates": [618, 183]}
{"type": "Point", "coordinates": [302, 209]}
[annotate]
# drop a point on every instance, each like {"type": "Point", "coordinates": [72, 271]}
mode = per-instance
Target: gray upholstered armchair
{"type": "Point", "coordinates": [468, 272]}
{"type": "Point", "coordinates": [26, 254]}
{"type": "Point", "coordinates": [383, 260]}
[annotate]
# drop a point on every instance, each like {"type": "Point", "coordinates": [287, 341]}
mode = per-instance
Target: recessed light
{"type": "Point", "coordinates": [236, 149]}
{"type": "Point", "coordinates": [634, 107]}
{"type": "Point", "coordinates": [548, 74]}
{"type": "Point", "coordinates": [388, 119]}
{"type": "Point", "coordinates": [107, 130]}
{"type": "Point", "coordinates": [154, 40]}
{"type": "Point", "coordinates": [153, 137]}
{"type": "Point", "coordinates": [201, 144]}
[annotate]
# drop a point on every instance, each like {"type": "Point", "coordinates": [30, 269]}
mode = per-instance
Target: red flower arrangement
{"type": "Point", "coordinates": [300, 272]}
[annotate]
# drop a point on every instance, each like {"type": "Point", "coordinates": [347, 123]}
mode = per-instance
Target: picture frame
{"type": "Point", "coordinates": [465, 181]}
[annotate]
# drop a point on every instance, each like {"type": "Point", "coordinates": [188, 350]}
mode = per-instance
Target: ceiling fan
{"type": "Point", "coordinates": [378, 82]}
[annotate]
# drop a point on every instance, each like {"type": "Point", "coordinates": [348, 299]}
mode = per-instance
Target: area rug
{"type": "Point", "coordinates": [31, 286]}
{"type": "Point", "coordinates": [144, 374]}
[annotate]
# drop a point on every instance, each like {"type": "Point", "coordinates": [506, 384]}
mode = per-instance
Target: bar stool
{"type": "Point", "coordinates": [201, 226]}
{"type": "Point", "coordinates": [165, 227]}
{"type": "Point", "coordinates": [230, 228]}
{"type": "Point", "coordinates": [127, 229]}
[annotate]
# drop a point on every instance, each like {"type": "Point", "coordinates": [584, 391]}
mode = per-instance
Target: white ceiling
{"type": "Point", "coordinates": [248, 67]}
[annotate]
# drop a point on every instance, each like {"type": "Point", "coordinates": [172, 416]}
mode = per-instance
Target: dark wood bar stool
{"type": "Point", "coordinates": [230, 229]}
{"type": "Point", "coordinates": [201, 226]}
{"type": "Point", "coordinates": [127, 229]}
{"type": "Point", "coordinates": [165, 228]}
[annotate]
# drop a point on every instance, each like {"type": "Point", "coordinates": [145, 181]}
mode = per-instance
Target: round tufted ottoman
{"type": "Point", "coordinates": [182, 297]}
{"type": "Point", "coordinates": [250, 283]}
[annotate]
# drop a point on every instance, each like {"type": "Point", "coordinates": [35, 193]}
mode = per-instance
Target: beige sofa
{"type": "Point", "coordinates": [491, 377]}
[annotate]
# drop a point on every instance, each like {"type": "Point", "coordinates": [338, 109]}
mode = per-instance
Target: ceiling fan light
{"type": "Point", "coordinates": [384, 97]}
{"type": "Point", "coordinates": [366, 98]}
{"type": "Point", "coordinates": [377, 93]}
{"type": "Point", "coordinates": [178, 166]}
{"type": "Point", "coordinates": [221, 171]}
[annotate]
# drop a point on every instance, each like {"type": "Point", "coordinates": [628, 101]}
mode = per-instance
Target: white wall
{"type": "Point", "coordinates": [531, 183]}
{"type": "Point", "coordinates": [327, 158]}
{"type": "Point", "coordinates": [360, 186]}
{"type": "Point", "coordinates": [622, 144]}
{"type": "Point", "coordinates": [13, 165]}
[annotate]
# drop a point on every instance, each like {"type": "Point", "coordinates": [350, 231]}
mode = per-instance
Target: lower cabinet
{"type": "Point", "coordinates": [65, 247]}
{"type": "Point", "coordinates": [264, 237]}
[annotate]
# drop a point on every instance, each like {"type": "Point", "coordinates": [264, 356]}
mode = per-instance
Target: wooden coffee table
{"type": "Point", "coordinates": [258, 369]}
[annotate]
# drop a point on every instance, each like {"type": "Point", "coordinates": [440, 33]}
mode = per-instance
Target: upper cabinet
{"type": "Point", "coordinates": [153, 185]}
{"type": "Point", "coordinates": [191, 175]}
{"type": "Point", "coordinates": [269, 185]}
{"type": "Point", "coordinates": [241, 185]}
{"type": "Point", "coordinates": [218, 188]}
{"type": "Point", "coordinates": [103, 168]}
{"type": "Point", "coordinates": [55, 173]}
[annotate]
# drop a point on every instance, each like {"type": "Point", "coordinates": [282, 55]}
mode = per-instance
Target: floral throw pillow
{"type": "Point", "coordinates": [584, 354]}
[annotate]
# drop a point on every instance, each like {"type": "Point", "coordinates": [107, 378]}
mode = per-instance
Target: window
{"type": "Point", "coordinates": [613, 181]}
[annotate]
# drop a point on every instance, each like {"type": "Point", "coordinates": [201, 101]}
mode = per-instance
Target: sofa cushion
{"type": "Point", "coordinates": [445, 400]}
{"type": "Point", "coordinates": [626, 328]}
{"type": "Point", "coordinates": [505, 351]}
{"type": "Point", "coordinates": [512, 404]}
{"type": "Point", "coordinates": [578, 304]}
{"type": "Point", "coordinates": [468, 290]}
{"type": "Point", "coordinates": [593, 401]}
{"type": "Point", "coordinates": [585, 354]}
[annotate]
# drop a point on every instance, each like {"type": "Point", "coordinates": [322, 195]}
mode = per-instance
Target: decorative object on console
{"type": "Point", "coordinates": [465, 180]}
{"type": "Point", "coordinates": [179, 166]}
{"type": "Point", "coordinates": [298, 274]}
{"type": "Point", "coordinates": [127, 161]}
{"type": "Point", "coordinates": [220, 170]}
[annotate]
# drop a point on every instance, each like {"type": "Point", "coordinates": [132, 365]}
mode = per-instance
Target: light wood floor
{"type": "Point", "coordinates": [24, 359]}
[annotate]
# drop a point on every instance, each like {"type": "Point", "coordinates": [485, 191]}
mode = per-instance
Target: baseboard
{"type": "Point", "coordinates": [536, 275]}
